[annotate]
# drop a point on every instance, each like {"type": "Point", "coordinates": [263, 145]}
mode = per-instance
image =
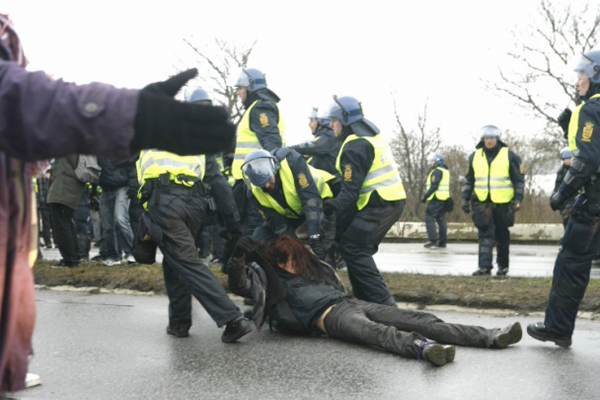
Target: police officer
{"type": "Point", "coordinates": [287, 192]}
{"type": "Point", "coordinates": [175, 190]}
{"type": "Point", "coordinates": [371, 199]}
{"type": "Point", "coordinates": [567, 207]}
{"type": "Point", "coordinates": [496, 176]}
{"type": "Point", "coordinates": [582, 236]}
{"type": "Point", "coordinates": [438, 193]}
{"type": "Point", "coordinates": [324, 148]}
{"type": "Point", "coordinates": [261, 127]}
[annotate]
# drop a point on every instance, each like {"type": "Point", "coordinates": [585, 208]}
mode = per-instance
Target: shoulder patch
{"type": "Point", "coordinates": [264, 120]}
{"type": "Point", "coordinates": [586, 134]}
{"type": "Point", "coordinates": [432, 178]}
{"type": "Point", "coordinates": [348, 173]}
{"type": "Point", "coordinates": [302, 181]}
{"type": "Point", "coordinates": [521, 169]}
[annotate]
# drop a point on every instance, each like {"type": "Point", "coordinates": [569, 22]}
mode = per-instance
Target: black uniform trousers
{"type": "Point", "coordinates": [435, 213]}
{"type": "Point", "coordinates": [396, 330]}
{"type": "Point", "coordinates": [178, 210]}
{"type": "Point", "coordinates": [360, 241]}
{"type": "Point", "coordinates": [492, 222]}
{"type": "Point", "coordinates": [572, 270]}
{"type": "Point", "coordinates": [46, 224]}
{"type": "Point", "coordinates": [65, 235]}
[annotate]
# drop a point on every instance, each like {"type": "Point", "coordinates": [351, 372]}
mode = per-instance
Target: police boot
{"type": "Point", "coordinates": [435, 353]}
{"type": "Point", "coordinates": [540, 332]}
{"type": "Point", "coordinates": [441, 245]}
{"type": "Point", "coordinates": [502, 271]}
{"type": "Point", "coordinates": [178, 332]}
{"type": "Point", "coordinates": [482, 271]}
{"type": "Point", "coordinates": [510, 335]}
{"type": "Point", "coordinates": [235, 330]}
{"type": "Point", "coordinates": [430, 244]}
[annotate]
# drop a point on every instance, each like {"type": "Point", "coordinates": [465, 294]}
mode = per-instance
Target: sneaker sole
{"type": "Point", "coordinates": [558, 342]}
{"type": "Point", "coordinates": [514, 335]}
{"type": "Point", "coordinates": [436, 354]}
{"type": "Point", "coordinates": [450, 353]}
{"type": "Point", "coordinates": [237, 336]}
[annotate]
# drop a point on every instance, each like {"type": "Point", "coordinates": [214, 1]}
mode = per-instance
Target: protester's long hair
{"type": "Point", "coordinates": [305, 263]}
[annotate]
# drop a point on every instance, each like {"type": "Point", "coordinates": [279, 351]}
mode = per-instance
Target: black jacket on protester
{"type": "Point", "coordinates": [116, 175]}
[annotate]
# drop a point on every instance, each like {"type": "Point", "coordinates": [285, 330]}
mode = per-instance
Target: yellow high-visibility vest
{"type": "Point", "coordinates": [247, 141]}
{"type": "Point", "coordinates": [383, 176]}
{"type": "Point", "coordinates": [153, 163]}
{"type": "Point", "coordinates": [574, 127]}
{"type": "Point", "coordinates": [289, 190]}
{"type": "Point", "coordinates": [443, 190]}
{"type": "Point", "coordinates": [493, 179]}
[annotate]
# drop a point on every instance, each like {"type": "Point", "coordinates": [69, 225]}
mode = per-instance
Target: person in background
{"type": "Point", "coordinates": [86, 119]}
{"type": "Point", "coordinates": [436, 197]}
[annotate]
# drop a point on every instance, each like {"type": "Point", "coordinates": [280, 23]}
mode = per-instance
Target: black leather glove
{"type": "Point", "coordinates": [557, 201]}
{"type": "Point", "coordinates": [465, 206]}
{"type": "Point", "coordinates": [231, 239]}
{"type": "Point", "coordinates": [164, 123]}
{"type": "Point", "coordinates": [331, 206]}
{"type": "Point", "coordinates": [317, 247]}
{"type": "Point", "coordinates": [244, 246]}
{"type": "Point", "coordinates": [424, 200]}
{"type": "Point", "coordinates": [563, 120]}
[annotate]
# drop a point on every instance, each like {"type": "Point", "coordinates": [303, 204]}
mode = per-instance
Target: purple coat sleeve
{"type": "Point", "coordinates": [41, 118]}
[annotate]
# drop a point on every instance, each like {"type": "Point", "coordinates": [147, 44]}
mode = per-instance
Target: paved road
{"type": "Point", "coordinates": [456, 259]}
{"type": "Point", "coordinates": [109, 346]}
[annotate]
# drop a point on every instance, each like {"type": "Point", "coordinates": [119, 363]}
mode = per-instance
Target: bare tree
{"type": "Point", "coordinates": [216, 66]}
{"type": "Point", "coordinates": [410, 150]}
{"type": "Point", "coordinates": [543, 50]}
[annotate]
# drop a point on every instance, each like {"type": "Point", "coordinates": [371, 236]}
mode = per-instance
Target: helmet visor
{"type": "Point", "coordinates": [258, 171]}
{"type": "Point", "coordinates": [584, 64]}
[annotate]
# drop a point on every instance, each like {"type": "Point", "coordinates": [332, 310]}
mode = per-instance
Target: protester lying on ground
{"type": "Point", "coordinates": [300, 294]}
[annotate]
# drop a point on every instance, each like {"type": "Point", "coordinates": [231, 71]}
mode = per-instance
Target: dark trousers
{"type": "Point", "coordinates": [65, 235]}
{"type": "Point", "coordinates": [396, 330]}
{"type": "Point", "coordinates": [357, 245]}
{"type": "Point", "coordinates": [571, 276]}
{"type": "Point", "coordinates": [498, 218]}
{"type": "Point", "coordinates": [435, 213]}
{"type": "Point", "coordinates": [46, 224]}
{"type": "Point", "coordinates": [82, 228]}
{"type": "Point", "coordinates": [178, 212]}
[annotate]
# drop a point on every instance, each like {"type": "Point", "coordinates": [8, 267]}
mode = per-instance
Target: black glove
{"type": "Point", "coordinates": [331, 206]}
{"type": "Point", "coordinates": [563, 120]}
{"type": "Point", "coordinates": [424, 200]}
{"type": "Point", "coordinates": [465, 206]}
{"type": "Point", "coordinates": [164, 123]}
{"type": "Point", "coordinates": [244, 246]}
{"type": "Point", "coordinates": [557, 200]}
{"type": "Point", "coordinates": [231, 239]}
{"type": "Point", "coordinates": [317, 247]}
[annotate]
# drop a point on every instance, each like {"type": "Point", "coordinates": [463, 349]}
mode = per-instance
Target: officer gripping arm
{"type": "Point", "coordinates": [355, 163]}
{"type": "Point", "coordinates": [312, 204]}
{"type": "Point", "coordinates": [264, 118]}
{"type": "Point", "coordinates": [320, 146]}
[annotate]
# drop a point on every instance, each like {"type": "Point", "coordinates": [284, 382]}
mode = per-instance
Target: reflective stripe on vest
{"type": "Point", "coordinates": [383, 176]}
{"type": "Point", "coordinates": [247, 141]}
{"type": "Point", "coordinates": [289, 190]}
{"type": "Point", "coordinates": [443, 190]}
{"type": "Point", "coordinates": [574, 127]}
{"type": "Point", "coordinates": [153, 163]}
{"type": "Point", "coordinates": [493, 179]}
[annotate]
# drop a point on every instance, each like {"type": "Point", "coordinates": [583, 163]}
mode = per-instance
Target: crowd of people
{"type": "Point", "coordinates": [286, 217]}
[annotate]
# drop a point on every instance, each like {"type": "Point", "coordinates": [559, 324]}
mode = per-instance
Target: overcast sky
{"type": "Point", "coordinates": [436, 50]}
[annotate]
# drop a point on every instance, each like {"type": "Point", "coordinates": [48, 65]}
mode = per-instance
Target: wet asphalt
{"type": "Point", "coordinates": [114, 346]}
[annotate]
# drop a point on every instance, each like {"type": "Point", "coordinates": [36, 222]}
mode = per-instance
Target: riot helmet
{"type": "Point", "coordinates": [490, 131]}
{"type": "Point", "coordinates": [252, 79]}
{"type": "Point", "coordinates": [346, 109]}
{"type": "Point", "coordinates": [314, 114]}
{"type": "Point", "coordinates": [198, 95]}
{"type": "Point", "coordinates": [565, 153]}
{"type": "Point", "coordinates": [259, 167]}
{"type": "Point", "coordinates": [438, 159]}
{"type": "Point", "coordinates": [589, 64]}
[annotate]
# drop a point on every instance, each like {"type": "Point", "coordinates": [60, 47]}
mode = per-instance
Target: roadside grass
{"type": "Point", "coordinates": [519, 294]}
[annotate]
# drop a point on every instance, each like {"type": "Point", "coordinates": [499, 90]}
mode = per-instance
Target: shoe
{"type": "Point", "coordinates": [435, 353]}
{"type": "Point", "coordinates": [65, 264]}
{"type": "Point", "coordinates": [98, 258]}
{"type": "Point", "coordinates": [235, 330]}
{"type": "Point", "coordinates": [441, 245]}
{"type": "Point", "coordinates": [482, 271]}
{"type": "Point", "coordinates": [248, 313]}
{"type": "Point", "coordinates": [130, 259]}
{"type": "Point", "coordinates": [540, 332]}
{"type": "Point", "coordinates": [32, 380]}
{"type": "Point", "coordinates": [510, 335]}
{"type": "Point", "coordinates": [49, 246]}
{"type": "Point", "coordinates": [502, 271]}
{"type": "Point", "coordinates": [178, 332]}
{"type": "Point", "coordinates": [111, 262]}
{"type": "Point", "coordinates": [429, 244]}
